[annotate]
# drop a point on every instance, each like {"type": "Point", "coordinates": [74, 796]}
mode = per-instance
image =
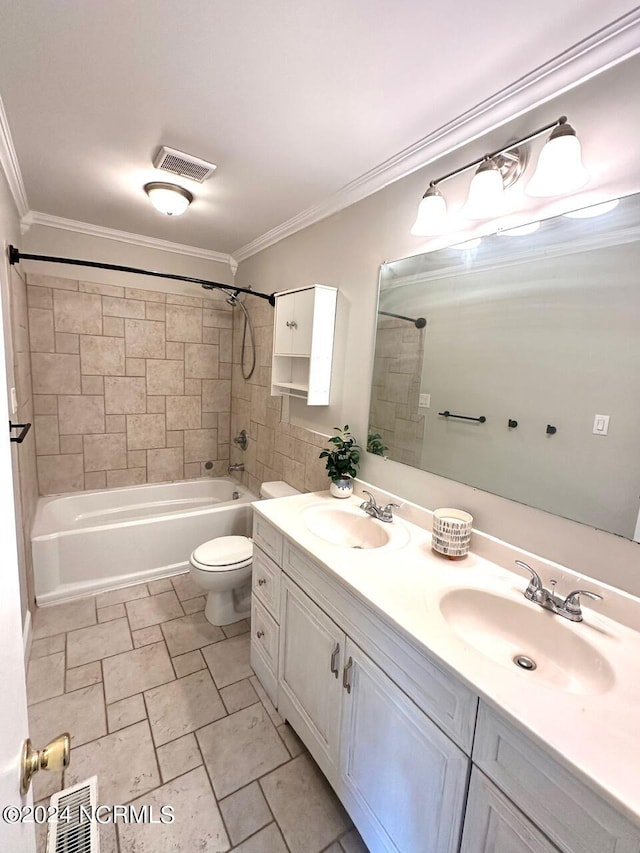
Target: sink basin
{"type": "Point", "coordinates": [501, 628]}
{"type": "Point", "coordinates": [349, 527]}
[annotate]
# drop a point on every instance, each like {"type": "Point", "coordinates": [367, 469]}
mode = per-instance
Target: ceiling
{"type": "Point", "coordinates": [293, 101]}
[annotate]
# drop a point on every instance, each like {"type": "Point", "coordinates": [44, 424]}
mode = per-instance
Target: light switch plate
{"type": "Point", "coordinates": [601, 425]}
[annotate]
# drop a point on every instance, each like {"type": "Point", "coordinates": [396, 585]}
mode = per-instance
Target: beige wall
{"type": "Point", "coordinates": [16, 342]}
{"type": "Point", "coordinates": [130, 386]}
{"type": "Point", "coordinates": [347, 249]}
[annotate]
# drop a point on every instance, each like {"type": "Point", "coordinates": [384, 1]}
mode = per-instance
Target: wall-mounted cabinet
{"type": "Point", "coordinates": [303, 343]}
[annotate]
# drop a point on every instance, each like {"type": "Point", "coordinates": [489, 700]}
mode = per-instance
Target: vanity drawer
{"type": "Point", "coordinates": [264, 648]}
{"type": "Point", "coordinates": [266, 582]}
{"type": "Point", "coordinates": [268, 538]}
{"type": "Point", "coordinates": [575, 818]}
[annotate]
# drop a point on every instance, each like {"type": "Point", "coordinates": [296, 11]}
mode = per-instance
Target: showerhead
{"type": "Point", "coordinates": [232, 299]}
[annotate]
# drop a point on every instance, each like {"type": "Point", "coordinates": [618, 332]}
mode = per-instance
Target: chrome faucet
{"type": "Point", "coordinates": [236, 466]}
{"type": "Point", "coordinates": [371, 508]}
{"type": "Point", "coordinates": [568, 607]}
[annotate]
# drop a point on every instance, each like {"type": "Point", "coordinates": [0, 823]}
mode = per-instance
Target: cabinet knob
{"type": "Point", "coordinates": [261, 581]}
{"type": "Point", "coordinates": [346, 675]}
{"type": "Point", "coordinates": [291, 324]}
{"type": "Point", "coordinates": [259, 634]}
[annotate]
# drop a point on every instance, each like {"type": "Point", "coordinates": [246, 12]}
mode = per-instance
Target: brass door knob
{"type": "Point", "coordinates": [55, 756]}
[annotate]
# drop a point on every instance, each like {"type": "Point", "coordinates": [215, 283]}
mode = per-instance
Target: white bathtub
{"type": "Point", "coordinates": [87, 542]}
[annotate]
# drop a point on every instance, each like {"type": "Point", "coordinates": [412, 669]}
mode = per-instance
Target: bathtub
{"type": "Point", "coordinates": [86, 542]}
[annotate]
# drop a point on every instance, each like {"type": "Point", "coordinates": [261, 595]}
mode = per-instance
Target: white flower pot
{"type": "Point", "coordinates": [342, 488]}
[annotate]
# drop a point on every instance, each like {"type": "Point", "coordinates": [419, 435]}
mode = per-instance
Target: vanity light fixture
{"type": "Point", "coordinates": [593, 210]}
{"type": "Point", "coordinates": [559, 170]}
{"type": "Point", "coordinates": [168, 198]}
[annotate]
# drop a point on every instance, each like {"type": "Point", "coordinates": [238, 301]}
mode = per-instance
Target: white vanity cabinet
{"type": "Point", "coordinates": [303, 334]}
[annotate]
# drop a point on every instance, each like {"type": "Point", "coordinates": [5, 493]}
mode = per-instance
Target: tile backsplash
{"type": "Point", "coordinates": [130, 386]}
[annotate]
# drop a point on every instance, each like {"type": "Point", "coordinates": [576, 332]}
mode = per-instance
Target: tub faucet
{"type": "Point", "coordinates": [236, 466]}
{"type": "Point", "coordinates": [568, 607]}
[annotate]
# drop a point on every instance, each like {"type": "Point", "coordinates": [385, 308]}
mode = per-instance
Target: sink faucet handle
{"type": "Point", "coordinates": [572, 601]}
{"type": "Point", "coordinates": [371, 502]}
{"type": "Point", "coordinates": [535, 584]}
{"type": "Point", "coordinates": [387, 511]}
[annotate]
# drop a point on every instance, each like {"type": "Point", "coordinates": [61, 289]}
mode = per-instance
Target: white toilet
{"type": "Point", "coordinates": [222, 568]}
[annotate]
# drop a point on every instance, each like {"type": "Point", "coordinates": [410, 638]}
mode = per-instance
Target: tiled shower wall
{"type": "Point", "coordinates": [130, 386]}
{"type": "Point", "coordinates": [277, 450]}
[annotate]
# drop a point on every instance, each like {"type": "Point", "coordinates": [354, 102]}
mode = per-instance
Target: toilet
{"type": "Point", "coordinates": [222, 568]}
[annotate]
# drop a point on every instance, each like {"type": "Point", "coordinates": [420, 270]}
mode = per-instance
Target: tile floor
{"type": "Point", "coordinates": [164, 708]}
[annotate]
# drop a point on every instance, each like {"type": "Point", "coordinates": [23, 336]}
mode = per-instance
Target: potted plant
{"type": "Point", "coordinates": [342, 461]}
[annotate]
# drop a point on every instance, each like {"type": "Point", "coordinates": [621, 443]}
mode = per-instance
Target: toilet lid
{"type": "Point", "coordinates": [224, 551]}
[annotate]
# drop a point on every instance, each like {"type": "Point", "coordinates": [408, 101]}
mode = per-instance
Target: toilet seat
{"type": "Point", "coordinates": [223, 554]}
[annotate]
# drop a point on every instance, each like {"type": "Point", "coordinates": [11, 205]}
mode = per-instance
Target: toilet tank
{"type": "Point", "coordinates": [277, 489]}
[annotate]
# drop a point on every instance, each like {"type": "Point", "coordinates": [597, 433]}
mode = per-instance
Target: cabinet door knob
{"type": "Point", "coordinates": [291, 324]}
{"type": "Point", "coordinates": [346, 675]}
{"type": "Point", "coordinates": [261, 581]}
{"type": "Point", "coordinates": [334, 660]}
{"type": "Point", "coordinates": [259, 634]}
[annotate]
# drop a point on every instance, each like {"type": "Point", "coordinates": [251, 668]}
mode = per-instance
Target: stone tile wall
{"type": "Point", "coordinates": [277, 450]}
{"type": "Point", "coordinates": [130, 386]}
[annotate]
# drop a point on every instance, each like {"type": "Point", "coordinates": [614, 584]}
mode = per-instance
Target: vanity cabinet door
{"type": "Point", "coordinates": [401, 779]}
{"type": "Point", "coordinates": [310, 666]}
{"type": "Point", "coordinates": [294, 323]}
{"type": "Point", "coordinates": [493, 824]}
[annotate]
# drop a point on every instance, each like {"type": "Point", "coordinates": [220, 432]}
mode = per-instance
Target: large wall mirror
{"type": "Point", "coordinates": [512, 364]}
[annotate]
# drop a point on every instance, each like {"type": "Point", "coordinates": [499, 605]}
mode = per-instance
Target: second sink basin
{"type": "Point", "coordinates": [349, 527]}
{"type": "Point", "coordinates": [502, 629]}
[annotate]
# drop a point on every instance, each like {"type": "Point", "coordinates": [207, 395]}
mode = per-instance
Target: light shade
{"type": "Point", "coordinates": [168, 198]}
{"type": "Point", "coordinates": [432, 211]}
{"type": "Point", "coordinates": [560, 169]}
{"type": "Point", "coordinates": [486, 193]}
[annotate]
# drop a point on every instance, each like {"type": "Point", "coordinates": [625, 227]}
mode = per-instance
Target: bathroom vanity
{"type": "Point", "coordinates": [394, 666]}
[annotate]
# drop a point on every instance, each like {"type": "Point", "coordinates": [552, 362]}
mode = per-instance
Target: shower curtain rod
{"type": "Point", "coordinates": [419, 323]}
{"type": "Point", "coordinates": [15, 256]}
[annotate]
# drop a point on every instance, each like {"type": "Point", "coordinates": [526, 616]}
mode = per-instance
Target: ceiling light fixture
{"type": "Point", "coordinates": [559, 171]}
{"type": "Point", "coordinates": [168, 198]}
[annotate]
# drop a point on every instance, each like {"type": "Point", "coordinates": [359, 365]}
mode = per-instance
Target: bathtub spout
{"type": "Point", "coordinates": [237, 466]}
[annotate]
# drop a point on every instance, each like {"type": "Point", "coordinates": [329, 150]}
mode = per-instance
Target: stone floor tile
{"type": "Point", "coordinates": [59, 618]}
{"type": "Point", "coordinates": [197, 826]}
{"type": "Point", "coordinates": [80, 713]}
{"type": "Point", "coordinates": [146, 636]}
{"type": "Point", "coordinates": [185, 586]}
{"type": "Point", "coordinates": [305, 807]}
{"type": "Point", "coordinates": [45, 678]}
{"type": "Point", "coordinates": [98, 641]}
{"type": "Point", "coordinates": [194, 605]}
{"type": "Point", "coordinates": [229, 660]}
{"type": "Point", "coordinates": [189, 633]}
{"type": "Point", "coordinates": [182, 706]}
{"type": "Point", "coordinates": [153, 610]}
{"type": "Point", "coordinates": [352, 843]}
{"type": "Point", "coordinates": [48, 646]}
{"type": "Point", "coordinates": [124, 762]}
{"type": "Point", "coordinates": [291, 740]}
{"type": "Point", "coordinates": [83, 676]}
{"type": "Point", "coordinates": [108, 838]}
{"type": "Point", "coordinates": [162, 585]}
{"type": "Point", "coordinates": [186, 664]}
{"type": "Point", "coordinates": [268, 840]}
{"type": "Point", "coordinates": [275, 717]}
{"type": "Point", "coordinates": [239, 695]}
{"type": "Point", "coordinates": [113, 611]}
{"type": "Point", "coordinates": [333, 848]}
{"type": "Point", "coordinates": [118, 596]}
{"type": "Point", "coordinates": [126, 712]}
{"type": "Point", "coordinates": [178, 756]}
{"type": "Point", "coordinates": [240, 748]}
{"type": "Point", "coordinates": [46, 784]}
{"type": "Point", "coordinates": [136, 671]}
{"type": "Point", "coordinates": [236, 628]}
{"type": "Point", "coordinates": [245, 812]}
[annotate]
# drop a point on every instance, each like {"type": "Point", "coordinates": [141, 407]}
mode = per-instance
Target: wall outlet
{"type": "Point", "coordinates": [425, 401]}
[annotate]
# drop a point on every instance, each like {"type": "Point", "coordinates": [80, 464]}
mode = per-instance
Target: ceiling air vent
{"type": "Point", "coordinates": [179, 163]}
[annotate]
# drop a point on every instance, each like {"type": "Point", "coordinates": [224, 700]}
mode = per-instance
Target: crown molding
{"type": "Point", "coordinates": [602, 50]}
{"type": "Point", "coordinates": [10, 165]}
{"type": "Point", "coordinates": [33, 217]}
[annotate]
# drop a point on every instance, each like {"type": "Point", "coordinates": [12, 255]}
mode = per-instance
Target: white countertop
{"type": "Point", "coordinates": [597, 735]}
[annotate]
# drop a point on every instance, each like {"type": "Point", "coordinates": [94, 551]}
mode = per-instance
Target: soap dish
{"type": "Point", "coordinates": [451, 532]}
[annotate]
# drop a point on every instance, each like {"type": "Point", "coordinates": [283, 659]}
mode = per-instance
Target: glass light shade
{"type": "Point", "coordinates": [431, 214]}
{"type": "Point", "coordinates": [486, 193]}
{"type": "Point", "coordinates": [560, 169]}
{"type": "Point", "coordinates": [168, 198]}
